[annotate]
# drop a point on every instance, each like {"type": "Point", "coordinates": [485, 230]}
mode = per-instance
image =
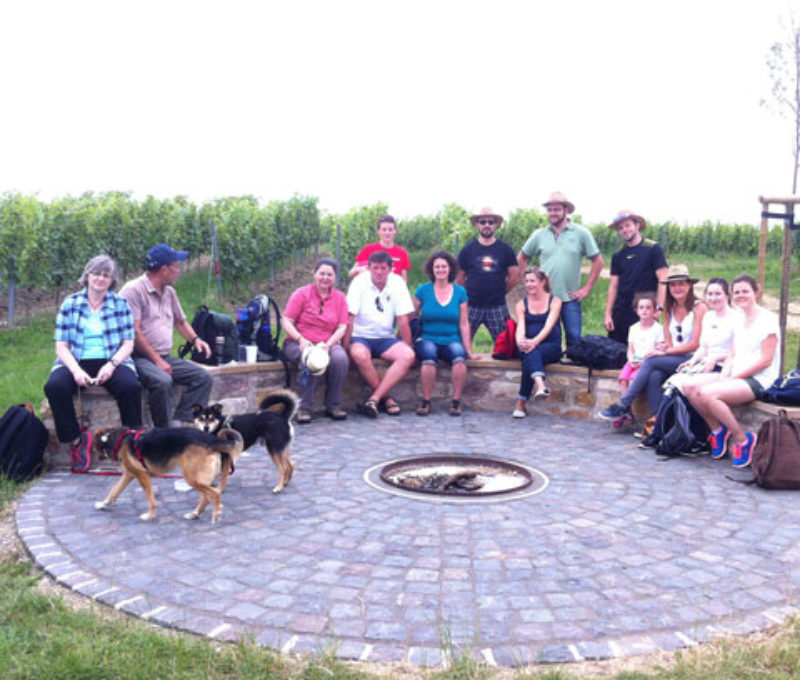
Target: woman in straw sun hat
{"type": "Point", "coordinates": [683, 317]}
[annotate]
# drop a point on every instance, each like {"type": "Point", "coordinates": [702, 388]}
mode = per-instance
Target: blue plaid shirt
{"type": "Point", "coordinates": [116, 317]}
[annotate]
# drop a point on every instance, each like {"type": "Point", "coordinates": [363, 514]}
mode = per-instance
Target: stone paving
{"type": "Point", "coordinates": [622, 554]}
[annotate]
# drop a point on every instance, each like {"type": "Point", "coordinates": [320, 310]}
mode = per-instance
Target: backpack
{"type": "Point", "coordinates": [505, 345]}
{"type": "Point", "coordinates": [23, 438]}
{"type": "Point", "coordinates": [598, 351]}
{"type": "Point", "coordinates": [210, 326]}
{"type": "Point", "coordinates": [255, 327]}
{"type": "Point", "coordinates": [785, 390]}
{"type": "Point", "coordinates": [678, 428]}
{"type": "Point", "coordinates": [776, 456]}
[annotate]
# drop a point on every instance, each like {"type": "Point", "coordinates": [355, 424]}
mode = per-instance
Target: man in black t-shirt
{"type": "Point", "coordinates": [635, 268]}
{"type": "Point", "coordinates": [488, 270]}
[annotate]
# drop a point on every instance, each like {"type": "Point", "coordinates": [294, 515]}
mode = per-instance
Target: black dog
{"type": "Point", "coordinates": [274, 427]}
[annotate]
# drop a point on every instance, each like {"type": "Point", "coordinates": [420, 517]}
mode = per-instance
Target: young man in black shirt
{"type": "Point", "coordinates": [488, 270]}
{"type": "Point", "coordinates": [635, 268]}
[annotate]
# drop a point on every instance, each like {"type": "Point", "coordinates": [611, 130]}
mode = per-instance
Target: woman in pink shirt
{"type": "Point", "coordinates": [316, 314]}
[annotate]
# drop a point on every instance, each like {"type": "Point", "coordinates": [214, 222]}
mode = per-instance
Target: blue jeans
{"type": "Point", "coordinates": [649, 378]}
{"type": "Point", "coordinates": [533, 363]}
{"type": "Point", "coordinates": [572, 319]}
{"type": "Point", "coordinates": [429, 352]}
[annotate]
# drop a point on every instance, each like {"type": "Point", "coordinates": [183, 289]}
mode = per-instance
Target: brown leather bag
{"type": "Point", "coordinates": [776, 456]}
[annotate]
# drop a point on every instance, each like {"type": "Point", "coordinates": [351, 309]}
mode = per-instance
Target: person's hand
{"type": "Point", "coordinates": [657, 351]}
{"type": "Point", "coordinates": [201, 346]}
{"type": "Point", "coordinates": [579, 294]}
{"type": "Point", "coordinates": [82, 378]}
{"type": "Point", "coordinates": [709, 365]}
{"type": "Point", "coordinates": [635, 364]}
{"type": "Point", "coordinates": [105, 372]}
{"type": "Point", "coordinates": [683, 366]}
{"type": "Point", "coordinates": [164, 366]}
{"type": "Point", "coordinates": [608, 323]}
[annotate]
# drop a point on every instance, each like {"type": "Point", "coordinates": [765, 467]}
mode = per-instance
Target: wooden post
{"type": "Point", "coordinates": [762, 243]}
{"type": "Point", "coordinates": [786, 275]}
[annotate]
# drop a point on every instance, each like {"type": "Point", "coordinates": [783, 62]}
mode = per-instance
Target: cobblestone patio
{"type": "Point", "coordinates": [622, 553]}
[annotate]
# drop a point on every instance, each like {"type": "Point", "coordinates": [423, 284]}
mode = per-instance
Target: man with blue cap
{"type": "Point", "coordinates": [156, 312]}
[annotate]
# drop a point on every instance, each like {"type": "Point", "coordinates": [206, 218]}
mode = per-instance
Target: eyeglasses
{"type": "Point", "coordinates": [378, 303]}
{"type": "Point", "coordinates": [483, 223]}
{"type": "Point", "coordinates": [678, 328]}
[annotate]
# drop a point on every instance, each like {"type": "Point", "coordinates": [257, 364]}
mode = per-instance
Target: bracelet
{"type": "Point", "coordinates": [113, 362]}
{"type": "Point", "coordinates": [194, 340]}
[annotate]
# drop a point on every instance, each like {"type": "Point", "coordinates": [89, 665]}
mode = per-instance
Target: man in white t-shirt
{"type": "Point", "coordinates": [378, 298]}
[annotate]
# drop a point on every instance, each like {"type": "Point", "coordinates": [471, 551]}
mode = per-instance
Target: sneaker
{"type": "Point", "coordinates": [719, 442]}
{"type": "Point", "coordinates": [519, 413]}
{"type": "Point", "coordinates": [741, 453]}
{"type": "Point", "coordinates": [303, 417]}
{"type": "Point", "coordinates": [624, 420]}
{"type": "Point", "coordinates": [81, 453]}
{"type": "Point", "coordinates": [613, 412]}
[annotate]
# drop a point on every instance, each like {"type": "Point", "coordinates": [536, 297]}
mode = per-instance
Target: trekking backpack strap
{"type": "Point", "coordinates": [274, 305]}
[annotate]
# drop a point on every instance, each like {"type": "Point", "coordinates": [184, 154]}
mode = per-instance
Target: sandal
{"type": "Point", "coordinates": [424, 407]}
{"type": "Point", "coordinates": [455, 408]}
{"type": "Point", "coordinates": [367, 408]}
{"type": "Point", "coordinates": [389, 406]}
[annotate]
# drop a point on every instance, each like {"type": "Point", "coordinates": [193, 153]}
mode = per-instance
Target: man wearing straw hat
{"type": "Point", "coordinates": [560, 248]}
{"type": "Point", "coordinates": [637, 267]}
{"type": "Point", "coordinates": [488, 270]}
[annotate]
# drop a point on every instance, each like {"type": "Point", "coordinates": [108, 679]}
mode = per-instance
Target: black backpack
{"type": "Point", "coordinates": [209, 326]}
{"type": "Point", "coordinates": [785, 390]}
{"type": "Point", "coordinates": [598, 352]}
{"type": "Point", "coordinates": [256, 327]}
{"type": "Point", "coordinates": [678, 429]}
{"type": "Point", "coordinates": [23, 439]}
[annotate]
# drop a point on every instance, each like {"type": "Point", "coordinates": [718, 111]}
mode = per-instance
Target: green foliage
{"type": "Point", "coordinates": [358, 227]}
{"type": "Point", "coordinates": [455, 227]}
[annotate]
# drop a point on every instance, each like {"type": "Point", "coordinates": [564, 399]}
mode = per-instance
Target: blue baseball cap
{"type": "Point", "coordinates": [163, 254]}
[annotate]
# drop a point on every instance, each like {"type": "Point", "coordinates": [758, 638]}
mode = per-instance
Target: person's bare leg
{"type": "Point", "coordinates": [362, 358]}
{"type": "Point", "coordinates": [428, 378]}
{"type": "Point", "coordinates": [401, 358]}
{"type": "Point", "coordinates": [459, 375]}
{"type": "Point", "coordinates": [721, 396]}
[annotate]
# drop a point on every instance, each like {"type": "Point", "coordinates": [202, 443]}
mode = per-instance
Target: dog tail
{"type": "Point", "coordinates": [285, 398]}
{"type": "Point", "coordinates": [233, 443]}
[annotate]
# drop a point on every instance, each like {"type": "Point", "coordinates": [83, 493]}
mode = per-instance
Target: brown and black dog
{"type": "Point", "coordinates": [274, 427]}
{"type": "Point", "coordinates": [201, 457]}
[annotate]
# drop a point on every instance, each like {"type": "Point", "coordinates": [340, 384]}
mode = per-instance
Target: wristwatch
{"type": "Point", "coordinates": [113, 362]}
{"type": "Point", "coordinates": [659, 308]}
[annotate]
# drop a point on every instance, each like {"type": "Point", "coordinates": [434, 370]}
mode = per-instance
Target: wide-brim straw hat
{"type": "Point", "coordinates": [678, 272]}
{"type": "Point", "coordinates": [558, 197]}
{"type": "Point", "coordinates": [623, 215]}
{"type": "Point", "coordinates": [486, 212]}
{"type": "Point", "coordinates": [315, 359]}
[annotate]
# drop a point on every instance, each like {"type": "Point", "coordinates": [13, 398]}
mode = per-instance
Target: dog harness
{"type": "Point", "coordinates": [136, 450]}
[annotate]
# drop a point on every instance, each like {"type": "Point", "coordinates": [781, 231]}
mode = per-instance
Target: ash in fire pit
{"type": "Point", "coordinates": [456, 475]}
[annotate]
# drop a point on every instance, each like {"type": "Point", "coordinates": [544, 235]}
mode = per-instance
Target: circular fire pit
{"type": "Point", "coordinates": [456, 478]}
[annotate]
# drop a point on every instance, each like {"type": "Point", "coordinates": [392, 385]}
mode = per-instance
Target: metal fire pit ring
{"type": "Point", "coordinates": [384, 478]}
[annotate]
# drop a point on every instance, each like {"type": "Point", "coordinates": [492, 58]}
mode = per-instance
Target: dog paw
{"type": "Point", "coordinates": [101, 505]}
{"type": "Point", "coordinates": [191, 515]}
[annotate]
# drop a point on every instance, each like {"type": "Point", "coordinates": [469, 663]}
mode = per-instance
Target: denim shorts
{"type": "Point", "coordinates": [429, 352]}
{"type": "Point", "coordinates": [377, 346]}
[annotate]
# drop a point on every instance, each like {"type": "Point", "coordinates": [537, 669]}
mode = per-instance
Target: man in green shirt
{"type": "Point", "coordinates": [560, 248]}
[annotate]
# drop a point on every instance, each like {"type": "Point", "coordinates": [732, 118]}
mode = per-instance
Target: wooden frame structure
{"type": "Point", "coordinates": [788, 203]}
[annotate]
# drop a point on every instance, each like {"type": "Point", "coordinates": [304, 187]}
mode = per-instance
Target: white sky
{"type": "Point", "coordinates": [650, 106]}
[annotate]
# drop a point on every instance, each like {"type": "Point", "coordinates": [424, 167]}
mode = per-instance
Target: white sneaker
{"type": "Point", "coordinates": [182, 485]}
{"type": "Point", "coordinates": [519, 413]}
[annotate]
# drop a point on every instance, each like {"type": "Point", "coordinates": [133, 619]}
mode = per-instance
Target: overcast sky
{"type": "Point", "coordinates": [651, 106]}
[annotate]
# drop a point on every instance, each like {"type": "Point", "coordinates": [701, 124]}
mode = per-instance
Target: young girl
{"type": "Point", "coordinates": [642, 339]}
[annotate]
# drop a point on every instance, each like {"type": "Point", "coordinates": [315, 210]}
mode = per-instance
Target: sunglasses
{"type": "Point", "coordinates": [378, 303]}
{"type": "Point", "coordinates": [484, 223]}
{"type": "Point", "coordinates": [679, 330]}
{"type": "Point", "coordinates": [321, 306]}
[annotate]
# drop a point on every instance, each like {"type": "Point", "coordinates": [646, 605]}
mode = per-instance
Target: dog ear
{"type": "Point", "coordinates": [217, 409]}
{"type": "Point", "coordinates": [197, 410]}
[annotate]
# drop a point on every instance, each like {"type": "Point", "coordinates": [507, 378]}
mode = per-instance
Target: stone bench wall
{"type": "Point", "coordinates": [491, 385]}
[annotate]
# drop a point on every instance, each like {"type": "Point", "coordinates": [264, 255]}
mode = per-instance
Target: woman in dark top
{"type": "Point", "coordinates": [538, 336]}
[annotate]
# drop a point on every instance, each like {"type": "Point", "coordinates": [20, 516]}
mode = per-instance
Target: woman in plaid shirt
{"type": "Point", "coordinates": [94, 340]}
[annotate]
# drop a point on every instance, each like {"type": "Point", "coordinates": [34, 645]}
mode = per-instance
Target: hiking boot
{"type": "Point", "coordinates": [424, 407]}
{"type": "Point", "coordinates": [613, 412]}
{"type": "Point", "coordinates": [719, 442]}
{"type": "Point", "coordinates": [742, 453]}
{"type": "Point", "coordinates": [80, 453]}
